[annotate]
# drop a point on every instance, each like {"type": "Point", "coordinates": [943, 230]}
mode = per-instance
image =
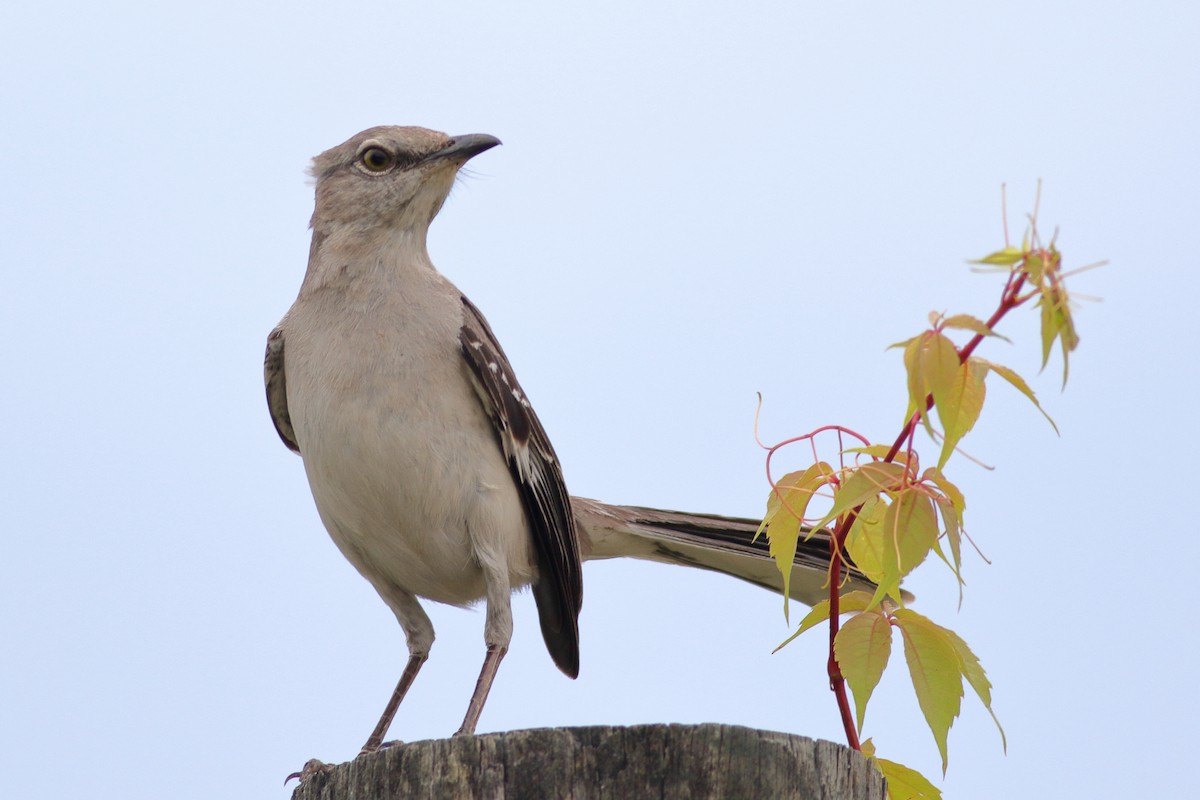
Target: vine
{"type": "Point", "coordinates": [887, 515]}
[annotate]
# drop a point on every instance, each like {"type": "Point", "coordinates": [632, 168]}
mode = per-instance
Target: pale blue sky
{"type": "Point", "coordinates": [694, 202]}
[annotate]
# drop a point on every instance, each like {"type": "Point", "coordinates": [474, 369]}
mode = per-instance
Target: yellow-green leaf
{"type": "Point", "coordinates": [847, 603]}
{"type": "Point", "coordinates": [876, 450]}
{"type": "Point", "coordinates": [1035, 268]}
{"type": "Point", "coordinates": [1006, 257]}
{"type": "Point", "coordinates": [880, 451]}
{"type": "Point", "coordinates": [1017, 383]}
{"type": "Point", "coordinates": [909, 531]}
{"type": "Point", "coordinates": [862, 648]}
{"type": "Point", "coordinates": [961, 406]}
{"type": "Point", "coordinates": [905, 783]}
{"type": "Point", "coordinates": [933, 665]}
{"type": "Point", "coordinates": [1049, 328]}
{"type": "Point", "coordinates": [1055, 257]}
{"type": "Point", "coordinates": [861, 484]}
{"type": "Point", "coordinates": [1069, 340]}
{"type": "Point", "coordinates": [1057, 324]}
{"type": "Point", "coordinates": [857, 600]}
{"type": "Point", "coordinates": [916, 380]}
{"type": "Point", "coordinates": [970, 667]}
{"type": "Point", "coordinates": [865, 541]}
{"type": "Point", "coordinates": [953, 529]}
{"type": "Point", "coordinates": [783, 532]}
{"type": "Point", "coordinates": [939, 367]}
{"type": "Point", "coordinates": [966, 322]}
{"type": "Point", "coordinates": [911, 527]}
{"type": "Point", "coordinates": [803, 482]}
{"type": "Point", "coordinates": [948, 489]}
{"type": "Point", "coordinates": [818, 614]}
{"type": "Point", "coordinates": [786, 506]}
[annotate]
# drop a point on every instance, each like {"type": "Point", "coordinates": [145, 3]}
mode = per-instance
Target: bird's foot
{"type": "Point", "coordinates": [383, 746]}
{"type": "Point", "coordinates": [311, 768]}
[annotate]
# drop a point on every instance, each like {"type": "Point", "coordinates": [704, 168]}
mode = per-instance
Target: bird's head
{"type": "Point", "coordinates": [390, 177]}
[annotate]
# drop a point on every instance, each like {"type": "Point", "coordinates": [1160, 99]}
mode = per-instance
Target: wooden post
{"type": "Point", "coordinates": [660, 761]}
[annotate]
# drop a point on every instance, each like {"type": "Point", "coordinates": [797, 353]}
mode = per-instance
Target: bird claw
{"type": "Point", "coordinates": [311, 768]}
{"type": "Point", "coordinates": [314, 766]}
{"type": "Point", "coordinates": [383, 746]}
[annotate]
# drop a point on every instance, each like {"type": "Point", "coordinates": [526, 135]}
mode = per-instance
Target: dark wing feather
{"type": "Point", "coordinates": [276, 379]}
{"type": "Point", "coordinates": [558, 590]}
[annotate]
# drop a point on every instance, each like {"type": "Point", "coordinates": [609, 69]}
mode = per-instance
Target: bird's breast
{"type": "Point", "coordinates": [400, 455]}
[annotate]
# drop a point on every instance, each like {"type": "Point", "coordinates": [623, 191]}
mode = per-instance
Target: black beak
{"type": "Point", "coordinates": [463, 148]}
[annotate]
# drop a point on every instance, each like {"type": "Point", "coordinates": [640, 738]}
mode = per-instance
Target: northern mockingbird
{"type": "Point", "coordinates": [428, 465]}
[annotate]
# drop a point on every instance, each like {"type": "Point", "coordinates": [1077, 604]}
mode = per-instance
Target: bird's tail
{"type": "Point", "coordinates": [707, 541]}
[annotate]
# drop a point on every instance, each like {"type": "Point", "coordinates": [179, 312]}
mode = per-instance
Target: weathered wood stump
{"type": "Point", "coordinates": [660, 761]}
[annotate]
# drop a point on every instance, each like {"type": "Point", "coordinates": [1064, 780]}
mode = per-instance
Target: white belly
{"type": "Point", "coordinates": [408, 479]}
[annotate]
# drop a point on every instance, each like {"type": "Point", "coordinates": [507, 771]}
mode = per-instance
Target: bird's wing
{"type": "Point", "coordinates": [276, 380]}
{"type": "Point", "coordinates": [538, 476]}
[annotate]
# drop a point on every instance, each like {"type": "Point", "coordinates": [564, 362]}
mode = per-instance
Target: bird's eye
{"type": "Point", "coordinates": [376, 159]}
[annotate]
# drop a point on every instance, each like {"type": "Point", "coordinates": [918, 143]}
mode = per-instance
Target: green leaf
{"type": "Point", "coordinates": [779, 519]}
{"type": "Point", "coordinates": [1049, 329]}
{"type": "Point", "coordinates": [862, 648]}
{"type": "Point", "coordinates": [911, 526]}
{"type": "Point", "coordinates": [875, 450]}
{"type": "Point", "coordinates": [930, 362]}
{"type": "Point", "coordinates": [951, 505]}
{"type": "Point", "coordinates": [933, 665]}
{"type": "Point", "coordinates": [1069, 340]}
{"type": "Point", "coordinates": [948, 489]}
{"type": "Point", "coordinates": [966, 322]}
{"type": "Point", "coordinates": [857, 600]}
{"type": "Point", "coordinates": [1067, 336]}
{"type": "Point", "coordinates": [786, 506]}
{"type": "Point", "coordinates": [951, 513]}
{"type": "Point", "coordinates": [861, 484]}
{"type": "Point", "coordinates": [802, 482]}
{"type": "Point", "coordinates": [939, 367]}
{"type": "Point", "coordinates": [970, 667]}
{"type": "Point", "coordinates": [847, 603]}
{"type": "Point", "coordinates": [818, 614]}
{"type": "Point", "coordinates": [916, 381]}
{"type": "Point", "coordinates": [865, 541]}
{"type": "Point", "coordinates": [909, 531]}
{"type": "Point", "coordinates": [905, 783]}
{"type": "Point", "coordinates": [961, 406]}
{"type": "Point", "coordinates": [1006, 257]}
{"type": "Point", "coordinates": [1035, 268]}
{"type": "Point", "coordinates": [1017, 383]}
{"type": "Point", "coordinates": [783, 533]}
{"type": "Point", "coordinates": [1057, 324]}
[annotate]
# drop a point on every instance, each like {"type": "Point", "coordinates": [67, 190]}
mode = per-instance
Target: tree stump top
{"type": "Point", "coordinates": [595, 763]}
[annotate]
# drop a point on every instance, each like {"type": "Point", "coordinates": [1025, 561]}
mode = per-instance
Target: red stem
{"type": "Point", "coordinates": [1008, 301]}
{"type": "Point", "coordinates": [836, 682]}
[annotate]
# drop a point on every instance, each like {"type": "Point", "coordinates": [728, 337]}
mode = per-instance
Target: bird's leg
{"type": "Point", "coordinates": [497, 629]}
{"type": "Point", "coordinates": [411, 669]}
{"type": "Point", "coordinates": [418, 633]}
{"type": "Point", "coordinates": [491, 663]}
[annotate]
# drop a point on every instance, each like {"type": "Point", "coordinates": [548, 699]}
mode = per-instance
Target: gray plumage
{"type": "Point", "coordinates": [428, 465]}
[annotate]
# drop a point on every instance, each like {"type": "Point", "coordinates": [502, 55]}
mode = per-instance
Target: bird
{"type": "Point", "coordinates": [428, 465]}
